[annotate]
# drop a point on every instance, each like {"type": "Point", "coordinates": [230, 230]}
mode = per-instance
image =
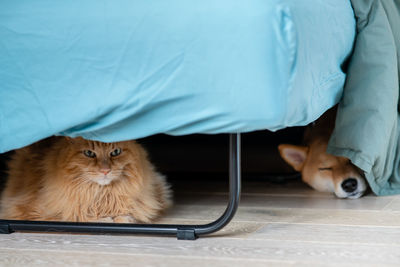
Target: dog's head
{"type": "Point", "coordinates": [325, 172]}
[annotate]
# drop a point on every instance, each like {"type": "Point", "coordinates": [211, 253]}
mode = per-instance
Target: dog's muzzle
{"type": "Point", "coordinates": [352, 188]}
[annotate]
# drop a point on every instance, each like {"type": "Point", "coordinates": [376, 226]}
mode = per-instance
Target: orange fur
{"type": "Point", "coordinates": [322, 171]}
{"type": "Point", "coordinates": [54, 180]}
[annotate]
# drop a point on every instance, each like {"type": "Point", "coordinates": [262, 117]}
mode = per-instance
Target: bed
{"type": "Point", "coordinates": [112, 71]}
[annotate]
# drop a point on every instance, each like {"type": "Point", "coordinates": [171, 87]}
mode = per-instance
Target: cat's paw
{"type": "Point", "coordinates": [105, 220]}
{"type": "Point", "coordinates": [124, 219]}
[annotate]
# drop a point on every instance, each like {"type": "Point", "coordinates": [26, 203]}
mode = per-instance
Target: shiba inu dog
{"type": "Point", "coordinates": [320, 170]}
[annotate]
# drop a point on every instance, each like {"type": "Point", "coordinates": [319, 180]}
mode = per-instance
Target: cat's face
{"type": "Point", "coordinates": [98, 162]}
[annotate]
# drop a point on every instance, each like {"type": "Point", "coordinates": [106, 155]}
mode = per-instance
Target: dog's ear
{"type": "Point", "coordinates": [294, 155]}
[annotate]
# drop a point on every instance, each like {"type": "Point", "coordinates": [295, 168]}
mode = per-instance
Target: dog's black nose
{"type": "Point", "coordinates": [349, 185]}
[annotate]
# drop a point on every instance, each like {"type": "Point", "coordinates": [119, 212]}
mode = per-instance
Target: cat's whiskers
{"type": "Point", "coordinates": [80, 180]}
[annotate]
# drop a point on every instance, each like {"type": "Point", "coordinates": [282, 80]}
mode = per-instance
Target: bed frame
{"type": "Point", "coordinates": [182, 232]}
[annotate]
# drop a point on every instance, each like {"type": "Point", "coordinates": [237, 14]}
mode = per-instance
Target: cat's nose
{"type": "Point", "coordinates": [105, 171]}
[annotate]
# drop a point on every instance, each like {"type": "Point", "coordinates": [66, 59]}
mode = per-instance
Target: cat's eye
{"type": "Point", "coordinates": [116, 152]}
{"type": "Point", "coordinates": [89, 153]}
{"type": "Point", "coordinates": [324, 169]}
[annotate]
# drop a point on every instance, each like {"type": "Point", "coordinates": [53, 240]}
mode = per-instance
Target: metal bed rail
{"type": "Point", "coordinates": [182, 232]}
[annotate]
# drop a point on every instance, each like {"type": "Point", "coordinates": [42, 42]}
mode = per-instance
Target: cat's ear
{"type": "Point", "coordinates": [70, 140]}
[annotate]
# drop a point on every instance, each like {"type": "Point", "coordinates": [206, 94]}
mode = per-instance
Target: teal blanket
{"type": "Point", "coordinates": [118, 70]}
{"type": "Point", "coordinates": [367, 124]}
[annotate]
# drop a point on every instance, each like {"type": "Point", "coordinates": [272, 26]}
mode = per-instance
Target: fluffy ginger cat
{"type": "Point", "coordinates": [73, 179]}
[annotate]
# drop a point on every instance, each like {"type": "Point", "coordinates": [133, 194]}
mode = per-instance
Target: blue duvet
{"type": "Point", "coordinates": [116, 70]}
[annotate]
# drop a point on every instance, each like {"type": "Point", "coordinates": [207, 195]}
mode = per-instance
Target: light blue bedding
{"type": "Point", "coordinates": [116, 70]}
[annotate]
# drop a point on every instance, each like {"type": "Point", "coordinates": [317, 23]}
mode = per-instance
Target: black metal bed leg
{"type": "Point", "coordinates": [5, 229]}
{"type": "Point", "coordinates": [234, 189]}
{"type": "Point", "coordinates": [234, 195]}
{"type": "Point", "coordinates": [182, 232]}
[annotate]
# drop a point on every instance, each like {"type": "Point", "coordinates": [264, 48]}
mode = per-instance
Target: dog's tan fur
{"type": "Point", "coordinates": [322, 171]}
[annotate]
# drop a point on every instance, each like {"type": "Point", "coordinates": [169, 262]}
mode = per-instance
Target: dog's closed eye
{"type": "Point", "coordinates": [324, 169]}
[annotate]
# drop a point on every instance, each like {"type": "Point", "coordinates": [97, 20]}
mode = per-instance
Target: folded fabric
{"type": "Point", "coordinates": [367, 123]}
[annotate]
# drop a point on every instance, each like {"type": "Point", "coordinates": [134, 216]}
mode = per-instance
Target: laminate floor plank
{"type": "Point", "coordinates": [211, 247]}
{"type": "Point", "coordinates": [372, 235]}
{"type": "Point", "coordinates": [375, 203]}
{"type": "Point", "coordinates": [29, 257]}
{"type": "Point", "coordinates": [287, 215]}
{"type": "Point", "coordinates": [394, 205]}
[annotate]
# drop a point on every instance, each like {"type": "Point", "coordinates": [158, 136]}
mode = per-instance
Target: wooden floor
{"type": "Point", "coordinates": [276, 225]}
